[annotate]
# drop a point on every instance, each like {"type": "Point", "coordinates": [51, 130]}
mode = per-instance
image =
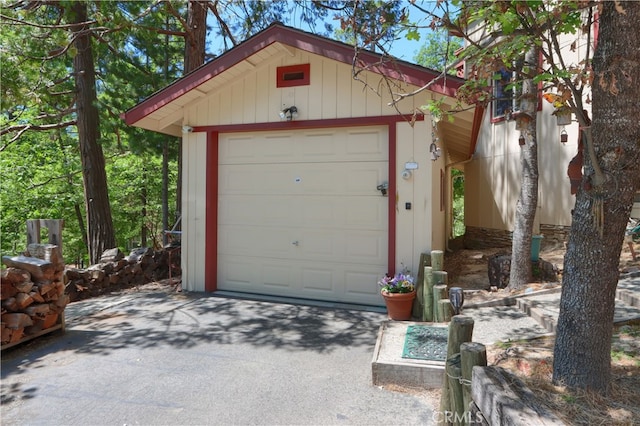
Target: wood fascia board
{"type": "Point", "coordinates": [399, 70]}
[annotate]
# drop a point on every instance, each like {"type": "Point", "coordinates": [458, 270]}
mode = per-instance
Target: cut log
{"type": "Point", "coordinates": [38, 268]}
{"type": "Point", "coordinates": [15, 321]}
{"type": "Point", "coordinates": [8, 290]}
{"type": "Point", "coordinates": [15, 275]}
{"type": "Point", "coordinates": [39, 310]}
{"type": "Point", "coordinates": [10, 304]}
{"type": "Point", "coordinates": [23, 300]}
{"type": "Point", "coordinates": [45, 286]}
{"type": "Point", "coordinates": [37, 297]}
{"type": "Point", "coordinates": [48, 252]}
{"type": "Point", "coordinates": [24, 287]}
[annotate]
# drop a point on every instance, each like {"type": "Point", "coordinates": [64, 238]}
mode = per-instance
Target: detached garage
{"type": "Point", "coordinates": [298, 180]}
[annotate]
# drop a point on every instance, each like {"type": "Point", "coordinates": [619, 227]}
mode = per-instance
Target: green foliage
{"type": "Point", "coordinates": [438, 51]}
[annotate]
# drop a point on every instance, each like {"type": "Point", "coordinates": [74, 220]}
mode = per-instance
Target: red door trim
{"type": "Point", "coordinates": [211, 226]}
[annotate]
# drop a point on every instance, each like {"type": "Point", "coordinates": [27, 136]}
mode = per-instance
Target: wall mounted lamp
{"type": "Point", "coordinates": [187, 129]}
{"type": "Point", "coordinates": [435, 151]}
{"type": "Point", "coordinates": [289, 113]}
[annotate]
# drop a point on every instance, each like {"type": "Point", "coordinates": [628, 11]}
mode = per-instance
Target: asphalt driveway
{"type": "Point", "coordinates": [161, 358]}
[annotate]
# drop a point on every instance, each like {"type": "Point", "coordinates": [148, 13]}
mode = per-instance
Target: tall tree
{"type": "Point", "coordinates": [582, 354]}
{"type": "Point", "coordinates": [101, 235]}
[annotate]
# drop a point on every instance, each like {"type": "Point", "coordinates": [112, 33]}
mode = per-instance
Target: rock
{"type": "Point", "coordinates": [111, 255]}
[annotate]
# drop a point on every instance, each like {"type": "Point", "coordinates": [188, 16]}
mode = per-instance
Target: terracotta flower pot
{"type": "Point", "coordinates": [399, 305]}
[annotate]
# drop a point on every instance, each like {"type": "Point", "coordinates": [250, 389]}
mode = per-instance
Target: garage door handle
{"type": "Point", "coordinates": [295, 243]}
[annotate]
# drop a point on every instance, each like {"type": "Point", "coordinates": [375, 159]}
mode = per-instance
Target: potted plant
{"type": "Point", "coordinates": [398, 292]}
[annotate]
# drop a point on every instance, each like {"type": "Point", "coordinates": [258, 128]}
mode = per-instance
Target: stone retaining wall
{"type": "Point", "coordinates": [483, 238]}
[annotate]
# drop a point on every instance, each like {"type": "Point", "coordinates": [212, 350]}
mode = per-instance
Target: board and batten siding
{"type": "Point", "coordinates": [332, 94]}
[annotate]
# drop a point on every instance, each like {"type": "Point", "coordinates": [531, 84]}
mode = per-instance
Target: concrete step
{"type": "Point", "coordinates": [545, 308]}
{"type": "Point", "coordinates": [388, 367]}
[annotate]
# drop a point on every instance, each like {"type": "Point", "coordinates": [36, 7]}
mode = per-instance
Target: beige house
{"type": "Point", "coordinates": [299, 180]}
{"type": "Point", "coordinates": [493, 176]}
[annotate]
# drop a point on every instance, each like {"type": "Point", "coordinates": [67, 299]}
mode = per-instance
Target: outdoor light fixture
{"type": "Point", "coordinates": [433, 148]}
{"type": "Point", "coordinates": [456, 297]}
{"type": "Point", "coordinates": [289, 113]}
{"type": "Point", "coordinates": [435, 151]}
{"type": "Point", "coordinates": [187, 129]}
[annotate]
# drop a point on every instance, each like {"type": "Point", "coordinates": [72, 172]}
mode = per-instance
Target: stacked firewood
{"type": "Point", "coordinates": [32, 292]}
{"type": "Point", "coordinates": [116, 271]}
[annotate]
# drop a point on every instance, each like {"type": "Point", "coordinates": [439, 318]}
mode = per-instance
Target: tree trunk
{"type": "Point", "coordinates": [582, 353]}
{"type": "Point", "coordinates": [195, 39]}
{"type": "Point", "coordinates": [100, 234]}
{"type": "Point", "coordinates": [521, 270]}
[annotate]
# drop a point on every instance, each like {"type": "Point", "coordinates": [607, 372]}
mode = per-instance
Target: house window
{"type": "Point", "coordinates": [293, 75]}
{"type": "Point", "coordinates": [506, 99]}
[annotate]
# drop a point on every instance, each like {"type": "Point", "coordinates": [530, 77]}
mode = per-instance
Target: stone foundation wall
{"type": "Point", "coordinates": [482, 238]}
{"type": "Point", "coordinates": [554, 234]}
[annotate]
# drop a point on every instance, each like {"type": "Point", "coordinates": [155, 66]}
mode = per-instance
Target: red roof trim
{"type": "Point", "coordinates": [401, 70]}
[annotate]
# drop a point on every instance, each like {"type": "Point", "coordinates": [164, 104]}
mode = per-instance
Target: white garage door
{"type": "Point", "coordinates": [299, 214]}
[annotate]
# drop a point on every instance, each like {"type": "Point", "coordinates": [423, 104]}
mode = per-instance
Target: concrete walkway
{"type": "Point", "coordinates": [174, 359]}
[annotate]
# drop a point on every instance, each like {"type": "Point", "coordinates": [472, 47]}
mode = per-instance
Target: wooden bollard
{"type": "Point", "coordinates": [471, 354]}
{"type": "Point", "coordinates": [427, 289]}
{"type": "Point", "coordinates": [453, 370]}
{"type": "Point", "coordinates": [460, 331]}
{"type": "Point", "coordinates": [445, 310]}
{"type": "Point", "coordinates": [418, 302]}
{"type": "Point", "coordinates": [439, 293]}
{"type": "Point", "coordinates": [437, 260]}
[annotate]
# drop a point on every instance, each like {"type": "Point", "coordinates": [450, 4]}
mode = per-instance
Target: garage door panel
{"type": "Point", "coordinates": [371, 142]}
{"type": "Point", "coordinates": [346, 179]}
{"type": "Point", "coordinates": [334, 145]}
{"type": "Point", "coordinates": [318, 280]}
{"type": "Point", "coordinates": [365, 213]}
{"type": "Point", "coordinates": [310, 279]}
{"type": "Point", "coordinates": [300, 210]}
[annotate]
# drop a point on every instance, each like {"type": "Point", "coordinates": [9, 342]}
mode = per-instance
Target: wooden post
{"type": "Point", "coordinates": [460, 331]}
{"type": "Point", "coordinates": [453, 371]}
{"type": "Point", "coordinates": [437, 260]}
{"type": "Point", "coordinates": [439, 293]}
{"type": "Point", "coordinates": [471, 354]}
{"type": "Point", "coordinates": [445, 310]}
{"type": "Point", "coordinates": [54, 229]}
{"type": "Point", "coordinates": [427, 289]}
{"type": "Point", "coordinates": [418, 302]}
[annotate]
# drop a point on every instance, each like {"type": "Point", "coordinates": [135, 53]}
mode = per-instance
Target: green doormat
{"type": "Point", "coordinates": [426, 342]}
